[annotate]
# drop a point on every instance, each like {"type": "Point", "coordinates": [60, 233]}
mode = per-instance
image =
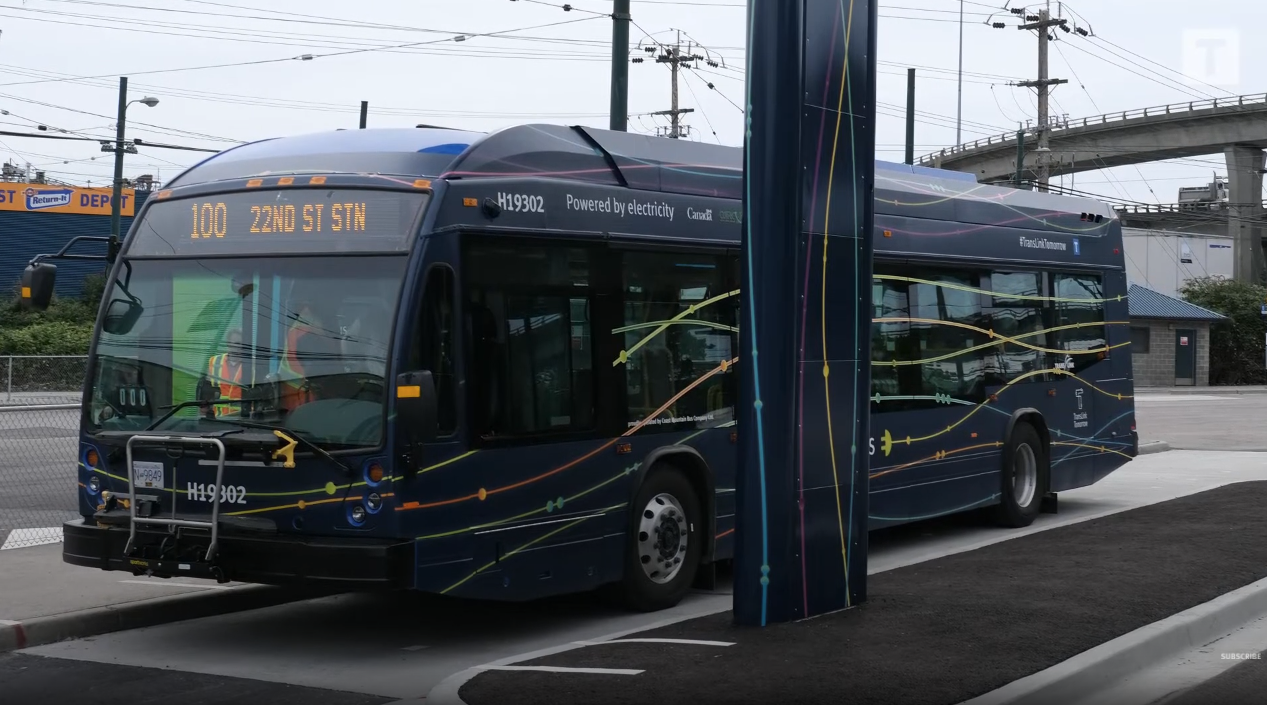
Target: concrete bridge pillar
{"type": "Point", "coordinates": [1244, 224]}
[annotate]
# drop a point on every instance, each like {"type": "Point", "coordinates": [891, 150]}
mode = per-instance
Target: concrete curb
{"type": "Point", "coordinates": [142, 613]}
{"type": "Point", "coordinates": [1150, 447]}
{"type": "Point", "coordinates": [1096, 669]}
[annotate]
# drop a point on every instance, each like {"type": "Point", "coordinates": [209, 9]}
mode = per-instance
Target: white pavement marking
{"type": "Point", "coordinates": [166, 583]}
{"type": "Point", "coordinates": [695, 642]}
{"type": "Point", "coordinates": [25, 538]}
{"type": "Point", "coordinates": [564, 669]}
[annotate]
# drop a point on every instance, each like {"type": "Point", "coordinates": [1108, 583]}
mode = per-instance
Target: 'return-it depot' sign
{"type": "Point", "coordinates": [38, 198]}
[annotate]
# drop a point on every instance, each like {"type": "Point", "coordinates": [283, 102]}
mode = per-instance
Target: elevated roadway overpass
{"type": "Point", "coordinates": [1235, 127]}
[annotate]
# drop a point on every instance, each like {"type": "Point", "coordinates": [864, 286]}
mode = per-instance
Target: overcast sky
{"type": "Point", "coordinates": [547, 65]}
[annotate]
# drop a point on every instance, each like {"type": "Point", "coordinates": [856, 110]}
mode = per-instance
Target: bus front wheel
{"type": "Point", "coordinates": [663, 544]}
{"type": "Point", "coordinates": [1024, 477]}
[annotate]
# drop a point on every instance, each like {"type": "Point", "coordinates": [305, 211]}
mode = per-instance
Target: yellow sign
{"type": "Point", "coordinates": [39, 198]}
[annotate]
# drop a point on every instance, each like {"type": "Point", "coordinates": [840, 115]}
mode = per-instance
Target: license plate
{"type": "Point", "coordinates": [149, 475]}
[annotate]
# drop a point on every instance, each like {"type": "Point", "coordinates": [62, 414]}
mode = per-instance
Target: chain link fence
{"type": "Point", "coordinates": [39, 428]}
{"type": "Point", "coordinates": [27, 380]}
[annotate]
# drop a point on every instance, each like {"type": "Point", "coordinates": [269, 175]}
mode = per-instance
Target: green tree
{"type": "Point", "coordinates": [1236, 344]}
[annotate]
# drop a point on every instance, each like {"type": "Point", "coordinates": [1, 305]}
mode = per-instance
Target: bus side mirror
{"type": "Point", "coordinates": [417, 409]}
{"type": "Point", "coordinates": [121, 316]}
{"type": "Point", "coordinates": [37, 285]}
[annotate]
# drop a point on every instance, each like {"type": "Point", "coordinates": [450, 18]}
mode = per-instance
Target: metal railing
{"type": "Point", "coordinates": [39, 485]}
{"type": "Point", "coordinates": [995, 141]}
{"type": "Point", "coordinates": [31, 380]}
{"type": "Point", "coordinates": [1182, 208]}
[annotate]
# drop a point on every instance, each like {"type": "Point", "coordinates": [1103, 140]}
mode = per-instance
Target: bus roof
{"type": "Point", "coordinates": [601, 157]}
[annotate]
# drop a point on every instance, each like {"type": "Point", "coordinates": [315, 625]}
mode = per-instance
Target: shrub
{"type": "Point", "coordinates": [46, 338]}
{"type": "Point", "coordinates": [1236, 344]}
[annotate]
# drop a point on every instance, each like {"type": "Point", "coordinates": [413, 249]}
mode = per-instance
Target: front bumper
{"type": "Point", "coordinates": [273, 559]}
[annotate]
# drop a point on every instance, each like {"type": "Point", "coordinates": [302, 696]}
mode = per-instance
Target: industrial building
{"type": "Point", "coordinates": [1163, 260]}
{"type": "Point", "coordinates": [40, 218]}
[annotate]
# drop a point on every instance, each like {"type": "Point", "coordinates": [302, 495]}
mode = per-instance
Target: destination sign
{"type": "Point", "coordinates": [282, 221]}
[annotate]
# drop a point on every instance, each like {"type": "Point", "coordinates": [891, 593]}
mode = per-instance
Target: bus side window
{"type": "Point", "coordinates": [531, 353]}
{"type": "Point", "coordinates": [1079, 319]}
{"type": "Point", "coordinates": [434, 344]}
{"type": "Point", "coordinates": [681, 336]}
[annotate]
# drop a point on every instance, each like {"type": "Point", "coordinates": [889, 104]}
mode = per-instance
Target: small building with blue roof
{"type": "Point", "coordinates": [1170, 339]}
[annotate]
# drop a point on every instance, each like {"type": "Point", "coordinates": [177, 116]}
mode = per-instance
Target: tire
{"type": "Point", "coordinates": [667, 501]}
{"type": "Point", "coordinates": [1023, 481]}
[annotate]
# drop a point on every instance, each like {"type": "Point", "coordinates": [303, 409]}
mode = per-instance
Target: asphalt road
{"type": "Point", "coordinates": [401, 646]}
{"type": "Point", "coordinates": [1203, 422]}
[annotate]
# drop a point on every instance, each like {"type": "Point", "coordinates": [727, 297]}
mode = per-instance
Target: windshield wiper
{"type": "Point", "coordinates": [200, 403]}
{"type": "Point", "coordinates": [281, 432]}
{"type": "Point", "coordinates": [287, 434]}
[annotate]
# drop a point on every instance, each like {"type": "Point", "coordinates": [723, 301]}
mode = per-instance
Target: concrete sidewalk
{"type": "Point", "coordinates": [45, 600]}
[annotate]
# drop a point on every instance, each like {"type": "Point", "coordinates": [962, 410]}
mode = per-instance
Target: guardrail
{"type": "Point", "coordinates": [1164, 208]}
{"type": "Point", "coordinates": [1172, 108]}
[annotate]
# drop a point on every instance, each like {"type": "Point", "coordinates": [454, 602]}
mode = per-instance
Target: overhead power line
{"type": "Point", "coordinates": [139, 143]}
{"type": "Point", "coordinates": [306, 57]}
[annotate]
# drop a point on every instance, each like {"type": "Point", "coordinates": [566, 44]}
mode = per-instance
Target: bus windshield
{"type": "Point", "coordinates": [297, 341]}
{"type": "Point", "coordinates": [309, 335]}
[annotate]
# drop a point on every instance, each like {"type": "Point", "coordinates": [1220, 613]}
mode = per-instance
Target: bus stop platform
{"type": "Point", "coordinates": [1049, 617]}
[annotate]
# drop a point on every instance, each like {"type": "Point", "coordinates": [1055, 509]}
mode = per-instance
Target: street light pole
{"type": "Point", "coordinates": [118, 162]}
{"type": "Point", "coordinates": [116, 198]}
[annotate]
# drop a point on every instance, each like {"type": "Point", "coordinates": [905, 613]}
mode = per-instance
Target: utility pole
{"type": "Point", "coordinates": [365, 113]}
{"type": "Point", "coordinates": [1020, 157]}
{"type": "Point", "coordinates": [675, 58]}
{"type": "Point", "coordinates": [1042, 22]}
{"type": "Point", "coordinates": [959, 113]}
{"type": "Point", "coordinates": [910, 116]}
{"type": "Point", "coordinates": [620, 66]}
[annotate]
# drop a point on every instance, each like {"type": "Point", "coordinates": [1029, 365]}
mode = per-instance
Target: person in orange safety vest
{"type": "Point", "coordinates": [225, 372]}
{"type": "Point", "coordinates": [302, 347]}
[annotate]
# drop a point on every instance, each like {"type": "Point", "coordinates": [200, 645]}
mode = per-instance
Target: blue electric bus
{"type": "Point", "coordinates": [504, 366]}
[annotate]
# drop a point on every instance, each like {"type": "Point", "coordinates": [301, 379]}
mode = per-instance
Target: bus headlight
{"type": "Point", "coordinates": [94, 484]}
{"type": "Point", "coordinates": [373, 503]}
{"type": "Point", "coordinates": [357, 515]}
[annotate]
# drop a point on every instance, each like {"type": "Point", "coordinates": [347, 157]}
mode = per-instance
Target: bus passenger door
{"type": "Point", "coordinates": [432, 346]}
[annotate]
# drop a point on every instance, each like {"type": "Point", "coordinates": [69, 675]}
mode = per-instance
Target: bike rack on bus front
{"type": "Point", "coordinates": [213, 525]}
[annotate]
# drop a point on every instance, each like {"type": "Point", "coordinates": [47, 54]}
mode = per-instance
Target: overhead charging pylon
{"type": "Point", "coordinates": [801, 541]}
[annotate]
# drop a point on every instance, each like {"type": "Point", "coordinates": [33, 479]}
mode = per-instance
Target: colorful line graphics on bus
{"type": "Point", "coordinates": [585, 365]}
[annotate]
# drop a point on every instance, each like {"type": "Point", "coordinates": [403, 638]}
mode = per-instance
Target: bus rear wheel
{"type": "Point", "coordinates": [663, 544]}
{"type": "Point", "coordinates": [1024, 477]}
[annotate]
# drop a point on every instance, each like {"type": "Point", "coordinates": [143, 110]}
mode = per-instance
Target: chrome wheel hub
{"type": "Point", "coordinates": [662, 538]}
